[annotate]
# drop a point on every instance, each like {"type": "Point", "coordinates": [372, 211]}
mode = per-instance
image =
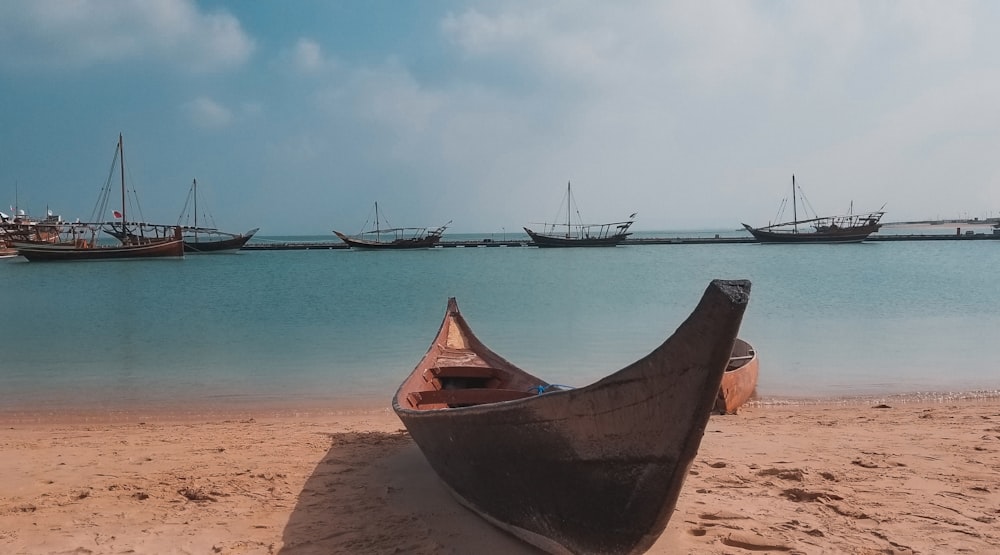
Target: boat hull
{"type": "Point", "coordinates": [841, 235]}
{"type": "Point", "coordinates": [399, 244]}
{"type": "Point", "coordinates": [231, 244]}
{"type": "Point", "coordinates": [591, 470]}
{"type": "Point", "coordinates": [54, 252]}
{"type": "Point", "coordinates": [739, 383]}
{"type": "Point", "coordinates": [547, 241]}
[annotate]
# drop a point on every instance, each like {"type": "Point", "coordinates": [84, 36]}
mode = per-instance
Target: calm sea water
{"type": "Point", "coordinates": [338, 325]}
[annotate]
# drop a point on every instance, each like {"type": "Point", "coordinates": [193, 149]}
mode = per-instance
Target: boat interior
{"type": "Point", "coordinates": [743, 353]}
{"type": "Point", "coordinates": [463, 386]}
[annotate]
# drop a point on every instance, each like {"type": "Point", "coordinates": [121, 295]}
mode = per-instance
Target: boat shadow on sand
{"type": "Point", "coordinates": [374, 492]}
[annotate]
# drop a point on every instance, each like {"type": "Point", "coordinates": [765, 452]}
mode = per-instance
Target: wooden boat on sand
{"type": "Point", "coordinates": [596, 469]}
{"type": "Point", "coordinates": [740, 380]}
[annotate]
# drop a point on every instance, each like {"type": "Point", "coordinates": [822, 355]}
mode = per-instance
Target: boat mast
{"type": "Point", "coordinates": [121, 152]}
{"type": "Point", "coordinates": [569, 202]}
{"type": "Point", "coordinates": [194, 185]}
{"type": "Point", "coordinates": [795, 212]}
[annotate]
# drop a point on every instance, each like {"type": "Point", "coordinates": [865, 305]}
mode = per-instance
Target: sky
{"type": "Point", "coordinates": [296, 117]}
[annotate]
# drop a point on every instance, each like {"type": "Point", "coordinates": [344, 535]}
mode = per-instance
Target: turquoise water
{"type": "Point", "coordinates": [334, 325]}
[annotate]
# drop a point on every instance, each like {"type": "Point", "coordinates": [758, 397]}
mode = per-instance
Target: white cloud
{"type": "Point", "coordinates": [387, 96]}
{"type": "Point", "coordinates": [251, 108]}
{"type": "Point", "coordinates": [307, 57]}
{"type": "Point", "coordinates": [57, 34]}
{"type": "Point", "coordinates": [940, 31]}
{"type": "Point", "coordinates": [693, 113]}
{"type": "Point", "coordinates": [479, 34]}
{"type": "Point", "coordinates": [671, 100]}
{"type": "Point", "coordinates": [207, 113]}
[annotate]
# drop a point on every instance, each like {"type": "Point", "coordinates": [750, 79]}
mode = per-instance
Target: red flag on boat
{"type": "Point", "coordinates": [117, 214]}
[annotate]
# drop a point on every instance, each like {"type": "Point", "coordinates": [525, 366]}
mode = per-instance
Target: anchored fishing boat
{"type": "Point", "coordinates": [388, 237]}
{"type": "Point", "coordinates": [22, 227]}
{"type": "Point", "coordinates": [578, 234]}
{"type": "Point", "coordinates": [86, 246]}
{"type": "Point", "coordinates": [80, 241]}
{"type": "Point", "coordinates": [848, 228]}
{"type": "Point", "coordinates": [202, 239]}
{"type": "Point", "coordinates": [597, 469]}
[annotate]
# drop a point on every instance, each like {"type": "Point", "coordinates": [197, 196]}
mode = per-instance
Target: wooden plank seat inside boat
{"type": "Point", "coordinates": [464, 397]}
{"type": "Point", "coordinates": [462, 377]}
{"type": "Point", "coordinates": [480, 372]}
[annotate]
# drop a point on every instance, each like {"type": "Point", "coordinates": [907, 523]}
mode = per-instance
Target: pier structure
{"type": "Point", "coordinates": [715, 240]}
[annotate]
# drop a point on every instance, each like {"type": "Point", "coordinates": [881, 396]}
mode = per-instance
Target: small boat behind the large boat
{"type": "Point", "coordinates": [848, 228]}
{"type": "Point", "coordinates": [211, 240]}
{"type": "Point", "coordinates": [198, 238]}
{"type": "Point", "coordinates": [22, 227]}
{"type": "Point", "coordinates": [739, 383]}
{"type": "Point", "coordinates": [596, 469]}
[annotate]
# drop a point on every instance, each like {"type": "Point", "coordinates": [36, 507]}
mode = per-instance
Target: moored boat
{"type": "Point", "coordinates": [211, 240]}
{"type": "Point", "coordinates": [203, 239]}
{"type": "Point", "coordinates": [80, 241]}
{"type": "Point", "coordinates": [740, 380]}
{"type": "Point", "coordinates": [597, 469]}
{"type": "Point", "coordinates": [578, 234]}
{"type": "Point", "coordinates": [392, 238]}
{"type": "Point", "coordinates": [847, 228]}
{"type": "Point", "coordinates": [22, 227]}
{"type": "Point", "coordinates": [88, 247]}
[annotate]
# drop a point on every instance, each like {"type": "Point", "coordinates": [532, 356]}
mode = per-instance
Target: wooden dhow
{"type": "Point", "coordinates": [88, 247]}
{"type": "Point", "coordinates": [739, 383]}
{"type": "Point", "coordinates": [577, 234]}
{"type": "Point", "coordinates": [207, 239]}
{"type": "Point", "coordinates": [596, 469]}
{"type": "Point", "coordinates": [378, 237]}
{"type": "Point", "coordinates": [22, 227]}
{"type": "Point", "coordinates": [847, 228]}
{"type": "Point", "coordinates": [80, 241]}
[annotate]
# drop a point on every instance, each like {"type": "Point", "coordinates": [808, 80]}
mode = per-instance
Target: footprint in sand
{"type": "Point", "coordinates": [722, 515]}
{"type": "Point", "coordinates": [697, 532]}
{"type": "Point", "coordinates": [800, 495]}
{"type": "Point", "coordinates": [753, 542]}
{"type": "Point", "coordinates": [793, 474]}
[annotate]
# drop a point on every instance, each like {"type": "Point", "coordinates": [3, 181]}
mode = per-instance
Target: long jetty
{"type": "Point", "coordinates": [714, 240]}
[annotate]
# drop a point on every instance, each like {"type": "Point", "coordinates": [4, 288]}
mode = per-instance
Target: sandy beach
{"type": "Point", "coordinates": [847, 477]}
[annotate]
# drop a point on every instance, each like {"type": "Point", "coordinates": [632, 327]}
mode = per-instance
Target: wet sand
{"type": "Point", "coordinates": [846, 477]}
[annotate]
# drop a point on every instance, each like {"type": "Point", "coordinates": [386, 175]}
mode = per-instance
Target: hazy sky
{"type": "Point", "coordinates": [297, 116]}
